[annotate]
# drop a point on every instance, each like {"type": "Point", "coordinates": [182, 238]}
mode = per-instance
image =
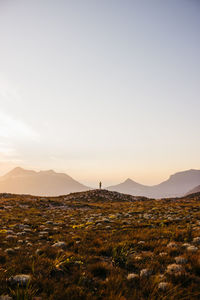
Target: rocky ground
{"type": "Point", "coordinates": [99, 245]}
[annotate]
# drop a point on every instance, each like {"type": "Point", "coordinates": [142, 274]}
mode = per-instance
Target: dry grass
{"type": "Point", "coordinates": [107, 236]}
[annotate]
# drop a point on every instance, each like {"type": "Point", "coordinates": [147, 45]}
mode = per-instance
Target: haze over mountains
{"type": "Point", "coordinates": [50, 183]}
{"type": "Point", "coordinates": [43, 183]}
{"type": "Point", "coordinates": [195, 190]}
{"type": "Point", "coordinates": [177, 185]}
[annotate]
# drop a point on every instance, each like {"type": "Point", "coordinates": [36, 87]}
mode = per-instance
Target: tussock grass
{"type": "Point", "coordinates": [106, 236]}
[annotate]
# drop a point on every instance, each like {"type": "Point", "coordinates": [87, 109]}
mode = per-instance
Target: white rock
{"type": "Point", "coordinates": [163, 286]}
{"type": "Point", "coordinates": [196, 240]}
{"type": "Point", "coordinates": [60, 245]}
{"type": "Point", "coordinates": [192, 249]}
{"type": "Point", "coordinates": [132, 276]}
{"type": "Point", "coordinates": [163, 254]}
{"type": "Point", "coordinates": [20, 279]}
{"type": "Point", "coordinates": [180, 260]}
{"type": "Point", "coordinates": [172, 245]}
{"type": "Point", "coordinates": [185, 245]}
{"type": "Point", "coordinates": [145, 272]}
{"type": "Point", "coordinates": [174, 269]}
{"type": "Point", "coordinates": [5, 297]}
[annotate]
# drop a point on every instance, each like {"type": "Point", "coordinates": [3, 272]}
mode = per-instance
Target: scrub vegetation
{"type": "Point", "coordinates": [99, 245]}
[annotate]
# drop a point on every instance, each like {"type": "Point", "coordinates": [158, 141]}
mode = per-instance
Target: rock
{"type": "Point", "coordinates": [29, 244]}
{"type": "Point", "coordinates": [141, 242]}
{"type": "Point", "coordinates": [132, 276]}
{"type": "Point", "coordinates": [10, 251]}
{"type": "Point", "coordinates": [137, 257]}
{"type": "Point", "coordinates": [163, 286]}
{"type": "Point", "coordinates": [196, 240]}
{"type": "Point", "coordinates": [5, 297]}
{"type": "Point", "coordinates": [17, 248]}
{"type": "Point", "coordinates": [162, 254]}
{"type": "Point", "coordinates": [49, 222]}
{"type": "Point", "coordinates": [39, 252]}
{"type": "Point", "coordinates": [20, 279]}
{"type": "Point", "coordinates": [10, 231]}
{"type": "Point", "coordinates": [145, 273]}
{"type": "Point", "coordinates": [60, 245]}
{"type": "Point", "coordinates": [185, 245]}
{"type": "Point", "coordinates": [43, 233]}
{"type": "Point", "coordinates": [172, 245]}
{"type": "Point", "coordinates": [192, 249]}
{"type": "Point", "coordinates": [20, 241]}
{"type": "Point", "coordinates": [180, 260]}
{"type": "Point", "coordinates": [27, 230]}
{"type": "Point", "coordinates": [10, 237]}
{"type": "Point", "coordinates": [174, 269]}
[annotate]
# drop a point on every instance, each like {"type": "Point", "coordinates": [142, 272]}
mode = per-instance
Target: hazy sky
{"type": "Point", "coordinates": [104, 89]}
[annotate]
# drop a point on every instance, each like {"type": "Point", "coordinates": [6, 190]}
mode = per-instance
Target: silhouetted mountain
{"type": "Point", "coordinates": [42, 183]}
{"type": "Point", "coordinates": [195, 190]}
{"type": "Point", "coordinates": [176, 186]}
{"type": "Point", "coordinates": [129, 187]}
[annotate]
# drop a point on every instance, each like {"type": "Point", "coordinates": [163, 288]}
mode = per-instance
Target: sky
{"type": "Point", "coordinates": [101, 90]}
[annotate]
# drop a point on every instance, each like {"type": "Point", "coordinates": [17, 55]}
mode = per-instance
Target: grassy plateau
{"type": "Point", "coordinates": [99, 245]}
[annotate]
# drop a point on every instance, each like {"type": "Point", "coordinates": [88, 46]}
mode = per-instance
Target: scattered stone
{"type": "Point", "coordinates": [5, 297]}
{"type": "Point", "coordinates": [10, 251]}
{"type": "Point", "coordinates": [60, 245]}
{"type": "Point", "coordinates": [192, 249]}
{"type": "Point", "coordinates": [20, 279]}
{"type": "Point", "coordinates": [10, 237]}
{"type": "Point", "coordinates": [162, 254]}
{"type": "Point", "coordinates": [196, 240]}
{"type": "Point", "coordinates": [39, 252]}
{"type": "Point", "coordinates": [138, 258]}
{"type": "Point", "coordinates": [29, 244]}
{"type": "Point", "coordinates": [132, 276]}
{"type": "Point", "coordinates": [163, 286]}
{"type": "Point", "coordinates": [180, 260]}
{"type": "Point", "coordinates": [20, 241]}
{"type": "Point", "coordinates": [145, 273]}
{"type": "Point", "coordinates": [172, 245]}
{"type": "Point", "coordinates": [185, 245]}
{"type": "Point", "coordinates": [141, 242]}
{"type": "Point", "coordinates": [174, 269]}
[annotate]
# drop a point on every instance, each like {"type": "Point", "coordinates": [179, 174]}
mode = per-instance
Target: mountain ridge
{"type": "Point", "coordinates": [176, 185]}
{"type": "Point", "coordinates": [39, 183]}
{"type": "Point", "coordinates": [194, 190]}
{"type": "Point", "coordinates": [51, 183]}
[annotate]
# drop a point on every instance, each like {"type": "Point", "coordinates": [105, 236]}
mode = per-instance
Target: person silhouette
{"type": "Point", "coordinates": [100, 184]}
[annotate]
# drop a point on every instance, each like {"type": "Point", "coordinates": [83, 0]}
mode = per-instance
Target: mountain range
{"type": "Point", "coordinates": [195, 190]}
{"type": "Point", "coordinates": [50, 183]}
{"type": "Point", "coordinates": [42, 183]}
{"type": "Point", "coordinates": [177, 185]}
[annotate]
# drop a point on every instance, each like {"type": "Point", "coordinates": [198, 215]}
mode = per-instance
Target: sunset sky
{"type": "Point", "coordinates": [101, 90]}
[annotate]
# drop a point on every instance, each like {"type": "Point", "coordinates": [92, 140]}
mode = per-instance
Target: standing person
{"type": "Point", "coordinates": [100, 184]}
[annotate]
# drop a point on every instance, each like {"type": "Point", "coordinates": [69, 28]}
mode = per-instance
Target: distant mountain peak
{"type": "Point", "coordinates": [17, 171]}
{"type": "Point", "coordinates": [48, 172]}
{"type": "Point", "coordinates": [129, 180]}
{"type": "Point", "coordinates": [45, 183]}
{"type": "Point", "coordinates": [175, 186]}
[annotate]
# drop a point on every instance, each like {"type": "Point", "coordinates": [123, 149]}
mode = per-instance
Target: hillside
{"type": "Point", "coordinates": [42, 183]}
{"type": "Point", "coordinates": [195, 190]}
